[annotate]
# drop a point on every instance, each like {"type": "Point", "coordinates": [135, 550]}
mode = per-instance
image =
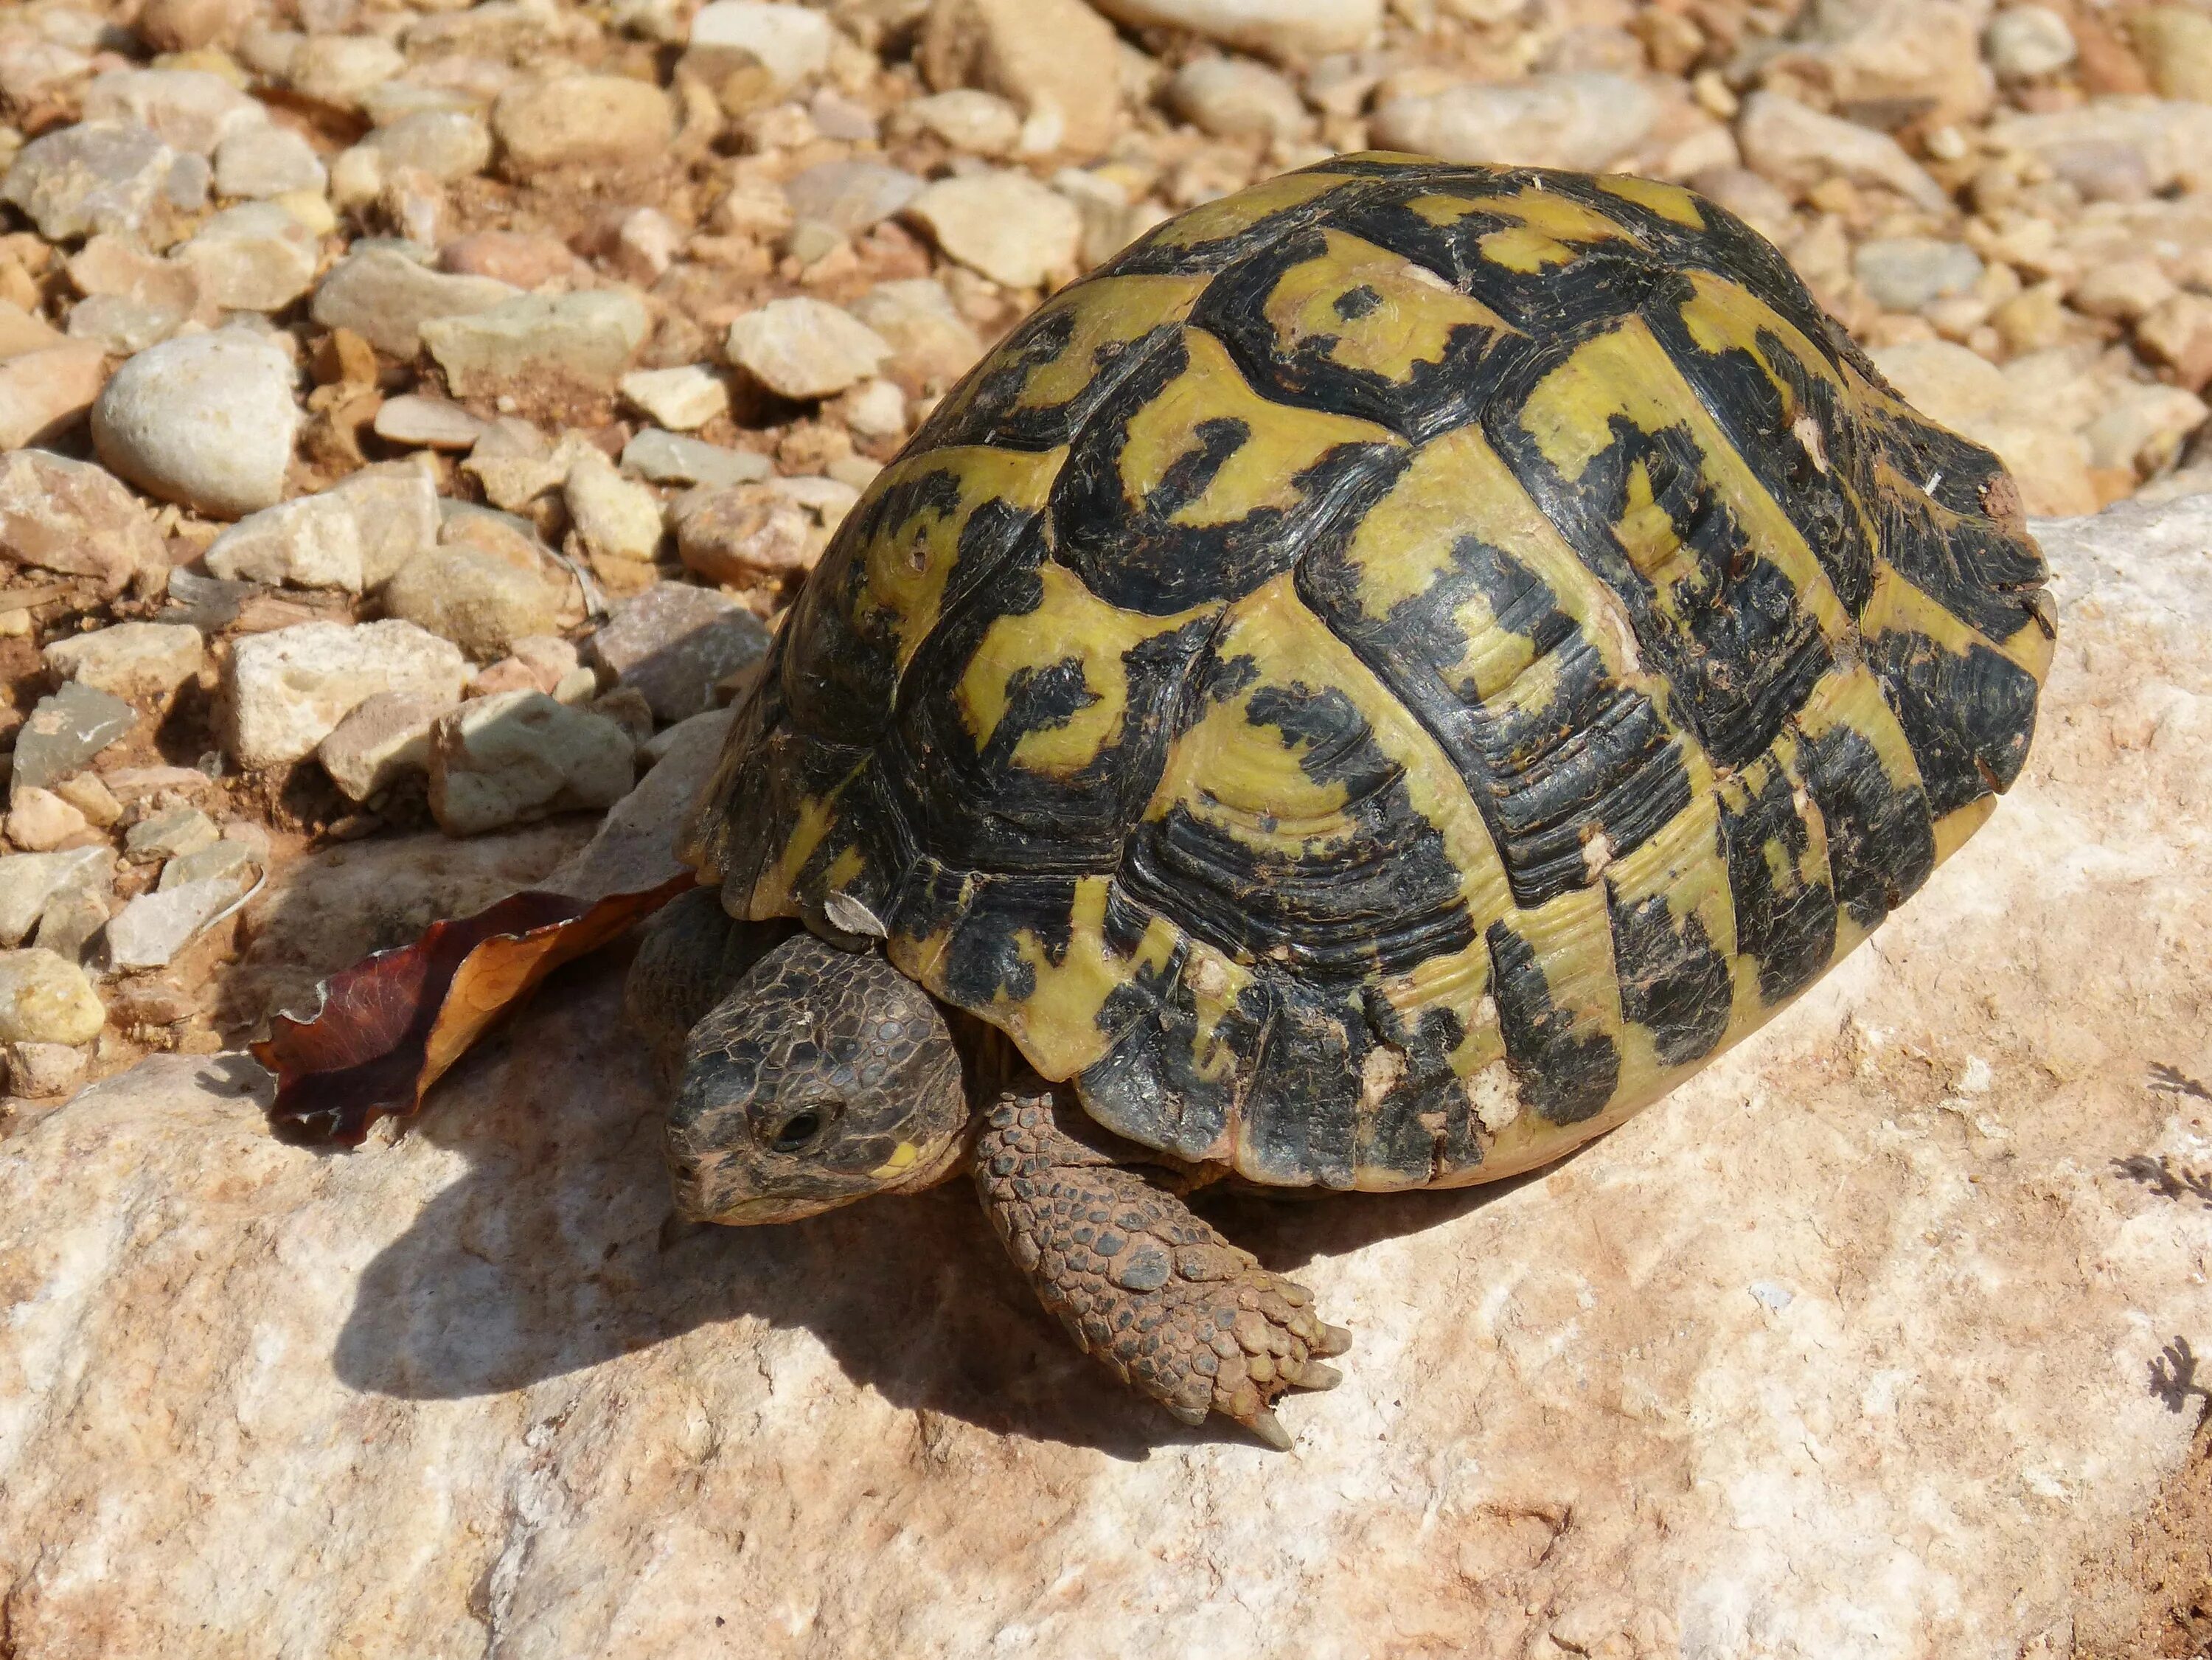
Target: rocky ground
{"type": "Point", "coordinates": [411, 416]}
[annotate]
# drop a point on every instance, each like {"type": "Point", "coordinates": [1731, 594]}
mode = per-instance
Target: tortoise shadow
{"type": "Point", "coordinates": [555, 1253]}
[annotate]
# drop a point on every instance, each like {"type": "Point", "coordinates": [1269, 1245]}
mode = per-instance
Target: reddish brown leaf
{"type": "Point", "coordinates": [390, 1026]}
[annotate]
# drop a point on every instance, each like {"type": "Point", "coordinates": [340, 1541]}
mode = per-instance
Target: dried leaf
{"type": "Point", "coordinates": [389, 1027]}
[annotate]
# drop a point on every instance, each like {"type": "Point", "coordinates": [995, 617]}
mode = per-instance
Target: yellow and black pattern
{"type": "Point", "coordinates": [1395, 672]}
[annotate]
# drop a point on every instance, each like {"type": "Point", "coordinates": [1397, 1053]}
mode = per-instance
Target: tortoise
{"type": "Point", "coordinates": [1367, 690]}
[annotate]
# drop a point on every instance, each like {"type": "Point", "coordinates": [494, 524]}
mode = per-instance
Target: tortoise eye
{"type": "Point", "coordinates": [796, 1131]}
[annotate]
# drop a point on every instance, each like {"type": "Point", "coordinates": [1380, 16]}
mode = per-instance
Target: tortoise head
{"type": "Point", "coordinates": [825, 1076]}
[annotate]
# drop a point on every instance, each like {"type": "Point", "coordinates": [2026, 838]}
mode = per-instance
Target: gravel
{"type": "Point", "coordinates": [207, 421]}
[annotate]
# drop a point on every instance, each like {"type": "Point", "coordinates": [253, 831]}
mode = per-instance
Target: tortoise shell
{"type": "Point", "coordinates": [1393, 672]}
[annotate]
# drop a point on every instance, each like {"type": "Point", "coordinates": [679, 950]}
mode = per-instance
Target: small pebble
{"type": "Point", "coordinates": [45, 998]}
{"type": "Point", "coordinates": [206, 421]}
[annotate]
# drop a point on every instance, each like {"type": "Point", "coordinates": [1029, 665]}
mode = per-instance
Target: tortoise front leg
{"type": "Point", "coordinates": [1172, 1308]}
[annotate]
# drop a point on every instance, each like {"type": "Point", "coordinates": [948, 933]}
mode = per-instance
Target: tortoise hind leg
{"type": "Point", "coordinates": [1167, 1304]}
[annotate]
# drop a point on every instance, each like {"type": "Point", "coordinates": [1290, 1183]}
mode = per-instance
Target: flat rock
{"type": "Point", "coordinates": [496, 762]}
{"type": "Point", "coordinates": [260, 161]}
{"type": "Point", "coordinates": [72, 517]}
{"type": "Point", "coordinates": [170, 834]}
{"type": "Point", "coordinates": [426, 422]}
{"type": "Point", "coordinates": [385, 739]}
{"type": "Point", "coordinates": [1584, 121]}
{"type": "Point", "coordinates": [1797, 146]}
{"type": "Point", "coordinates": [1904, 273]}
{"type": "Point", "coordinates": [617, 517]}
{"type": "Point", "coordinates": [223, 861]}
{"type": "Point", "coordinates": [255, 256]}
{"type": "Point", "coordinates": [584, 339]}
{"type": "Point", "coordinates": [478, 601]}
{"type": "Point", "coordinates": [286, 689]}
{"type": "Point", "coordinates": [94, 176]}
{"type": "Point", "coordinates": [675, 643]}
{"type": "Point", "coordinates": [39, 821]}
{"type": "Point", "coordinates": [1765, 1309]}
{"type": "Point", "coordinates": [308, 542]}
{"type": "Point", "coordinates": [2172, 135]}
{"type": "Point", "coordinates": [929, 338]}
{"type": "Point", "coordinates": [791, 42]}
{"type": "Point", "coordinates": [45, 393]}
{"type": "Point", "coordinates": [1044, 56]}
{"type": "Point", "coordinates": [1002, 223]}
{"type": "Point", "coordinates": [805, 349]}
{"type": "Point", "coordinates": [385, 297]}
{"type": "Point", "coordinates": [682, 399]}
{"type": "Point", "coordinates": [972, 122]}
{"type": "Point", "coordinates": [29, 882]}
{"type": "Point", "coordinates": [206, 421]}
{"type": "Point", "coordinates": [665, 457]}
{"type": "Point", "coordinates": [44, 999]}
{"type": "Point", "coordinates": [447, 144]}
{"type": "Point", "coordinates": [1234, 98]}
{"type": "Point", "coordinates": [849, 197]}
{"type": "Point", "coordinates": [66, 729]}
{"type": "Point", "coordinates": [150, 931]}
{"type": "Point", "coordinates": [1285, 28]}
{"type": "Point", "coordinates": [139, 662]}
{"type": "Point", "coordinates": [188, 109]}
{"type": "Point", "coordinates": [581, 119]}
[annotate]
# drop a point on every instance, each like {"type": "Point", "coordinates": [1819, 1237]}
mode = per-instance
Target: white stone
{"type": "Point", "coordinates": [45, 393]}
{"type": "Point", "coordinates": [92, 176]}
{"type": "Point", "coordinates": [1797, 146]}
{"type": "Point", "coordinates": [256, 257]}
{"type": "Point", "coordinates": [929, 338]}
{"type": "Point", "coordinates": [385, 297]}
{"type": "Point", "coordinates": [434, 423]}
{"type": "Point", "coordinates": [792, 42]}
{"type": "Point", "coordinates": [665, 458]}
{"type": "Point", "coordinates": [1058, 62]}
{"type": "Point", "coordinates": [338, 69]}
{"type": "Point", "coordinates": [140, 662]}
{"type": "Point", "coordinates": [206, 421]}
{"type": "Point", "coordinates": [72, 517]}
{"type": "Point", "coordinates": [2024, 41]}
{"type": "Point", "coordinates": [876, 409]}
{"type": "Point", "coordinates": [805, 349]}
{"type": "Point", "coordinates": [617, 517]}
{"type": "Point", "coordinates": [191, 109]}
{"type": "Point", "coordinates": [262, 161]}
{"type": "Point", "coordinates": [585, 339]}
{"type": "Point", "coordinates": [477, 600]}
{"type": "Point", "coordinates": [2173, 136]}
{"type": "Point", "coordinates": [395, 507]}
{"type": "Point", "coordinates": [1904, 273]}
{"type": "Point", "coordinates": [1283, 28]}
{"type": "Point", "coordinates": [150, 931]}
{"type": "Point", "coordinates": [173, 835]}
{"type": "Point", "coordinates": [309, 541]}
{"type": "Point", "coordinates": [505, 760]}
{"type": "Point", "coordinates": [447, 144]}
{"type": "Point", "coordinates": [39, 821]}
{"type": "Point", "coordinates": [44, 999]}
{"type": "Point", "coordinates": [287, 688]}
{"type": "Point", "coordinates": [30, 881]}
{"type": "Point", "coordinates": [1004, 224]}
{"type": "Point", "coordinates": [975, 123]}
{"type": "Point", "coordinates": [1234, 98]}
{"type": "Point", "coordinates": [681, 400]}
{"type": "Point", "coordinates": [383, 741]}
{"type": "Point", "coordinates": [581, 120]}
{"type": "Point", "coordinates": [1584, 121]}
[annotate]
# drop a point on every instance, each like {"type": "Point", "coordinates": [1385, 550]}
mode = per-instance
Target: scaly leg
{"type": "Point", "coordinates": [1175, 1310]}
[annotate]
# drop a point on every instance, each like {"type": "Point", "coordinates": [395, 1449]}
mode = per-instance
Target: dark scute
{"type": "Point", "coordinates": [1385, 898]}
{"type": "Point", "coordinates": [1133, 555]}
{"type": "Point", "coordinates": [1881, 843]}
{"type": "Point", "coordinates": [1789, 931]}
{"type": "Point", "coordinates": [835, 684]}
{"type": "Point", "coordinates": [1673, 982]}
{"type": "Point", "coordinates": [1400, 1132]}
{"type": "Point", "coordinates": [1969, 718]}
{"type": "Point", "coordinates": [1737, 645]}
{"type": "Point", "coordinates": [1973, 568]}
{"type": "Point", "coordinates": [1565, 1070]}
{"type": "Point", "coordinates": [983, 961]}
{"type": "Point", "coordinates": [1600, 756]}
{"type": "Point", "coordinates": [1435, 397]}
{"type": "Point", "coordinates": [1149, 1086]}
{"type": "Point", "coordinates": [980, 810]}
{"type": "Point", "coordinates": [1301, 1108]}
{"type": "Point", "coordinates": [1816, 491]}
{"type": "Point", "coordinates": [1149, 255]}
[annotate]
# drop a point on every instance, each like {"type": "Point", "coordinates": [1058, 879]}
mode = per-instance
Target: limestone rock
{"type": "Point", "coordinates": [929, 338]}
{"type": "Point", "coordinates": [587, 339]}
{"type": "Point", "coordinates": [71, 516]}
{"type": "Point", "coordinates": [665, 458]}
{"type": "Point", "coordinates": [382, 741]}
{"type": "Point", "coordinates": [152, 929]}
{"type": "Point", "coordinates": [427, 423]}
{"type": "Point", "coordinates": [675, 643]}
{"type": "Point", "coordinates": [447, 144]}
{"type": "Point", "coordinates": [1763, 1308]}
{"type": "Point", "coordinates": [93, 176]}
{"type": "Point", "coordinates": [43, 1069]}
{"type": "Point", "coordinates": [1913, 57]}
{"type": "Point", "coordinates": [479, 602]}
{"type": "Point", "coordinates": [849, 197]}
{"type": "Point", "coordinates": [139, 662]}
{"type": "Point", "coordinates": [188, 109]}
{"type": "Point", "coordinates": [66, 729]}
{"type": "Point", "coordinates": [206, 421]}
{"type": "Point", "coordinates": [256, 257]}
{"type": "Point", "coordinates": [1275, 28]}
{"type": "Point", "coordinates": [29, 882]}
{"type": "Point", "coordinates": [805, 349]}
{"type": "Point", "coordinates": [1579, 120]}
{"type": "Point", "coordinates": [1904, 273]}
{"type": "Point", "coordinates": [309, 541]}
{"type": "Point", "coordinates": [748, 535]}
{"type": "Point", "coordinates": [2023, 42]}
{"type": "Point", "coordinates": [1797, 146]}
{"type": "Point", "coordinates": [287, 688]}
{"type": "Point", "coordinates": [171, 835]}
{"type": "Point", "coordinates": [39, 821]}
{"type": "Point", "coordinates": [602, 120]}
{"type": "Point", "coordinates": [338, 69]}
{"type": "Point", "coordinates": [2173, 137]}
{"type": "Point", "coordinates": [1044, 56]}
{"type": "Point", "coordinates": [45, 393]}
{"type": "Point", "coordinates": [505, 760]}
{"type": "Point", "coordinates": [47, 999]}
{"type": "Point", "coordinates": [971, 122]}
{"type": "Point", "coordinates": [682, 399]}
{"type": "Point", "coordinates": [1002, 223]}
{"type": "Point", "coordinates": [791, 42]}
{"type": "Point", "coordinates": [386, 298]}
{"type": "Point", "coordinates": [260, 161]}
{"type": "Point", "coordinates": [1233, 98]}
{"type": "Point", "coordinates": [617, 517]}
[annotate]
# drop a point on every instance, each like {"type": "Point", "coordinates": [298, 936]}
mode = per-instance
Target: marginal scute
{"type": "Point", "coordinates": [1390, 674]}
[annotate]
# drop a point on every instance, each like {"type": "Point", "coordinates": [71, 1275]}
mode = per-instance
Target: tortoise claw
{"type": "Point", "coordinates": [1269, 1428]}
{"type": "Point", "coordinates": [1314, 1375]}
{"type": "Point", "coordinates": [1334, 1340]}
